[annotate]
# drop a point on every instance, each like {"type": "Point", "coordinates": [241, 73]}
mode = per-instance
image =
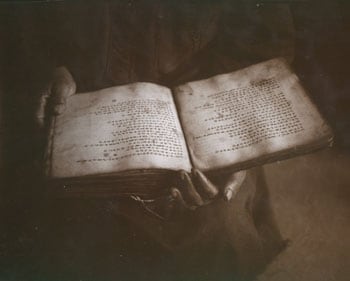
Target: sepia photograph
{"type": "Point", "coordinates": [175, 140]}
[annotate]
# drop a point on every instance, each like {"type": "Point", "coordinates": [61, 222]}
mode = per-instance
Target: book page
{"type": "Point", "coordinates": [240, 116]}
{"type": "Point", "coordinates": [121, 128]}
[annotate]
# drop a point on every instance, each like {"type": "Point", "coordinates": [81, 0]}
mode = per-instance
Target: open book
{"type": "Point", "coordinates": [133, 139]}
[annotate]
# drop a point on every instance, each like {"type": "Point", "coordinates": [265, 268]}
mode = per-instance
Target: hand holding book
{"type": "Point", "coordinates": [194, 189]}
{"type": "Point", "coordinates": [204, 191]}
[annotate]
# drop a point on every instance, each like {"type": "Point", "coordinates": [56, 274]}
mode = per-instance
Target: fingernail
{"type": "Point", "coordinates": [174, 193]}
{"type": "Point", "coordinates": [228, 195]}
{"type": "Point", "coordinates": [59, 108]}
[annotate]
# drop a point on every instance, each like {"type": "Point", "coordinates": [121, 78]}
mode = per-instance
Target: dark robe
{"type": "Point", "coordinates": [166, 42]}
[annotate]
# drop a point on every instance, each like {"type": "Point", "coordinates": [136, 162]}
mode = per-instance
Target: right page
{"type": "Point", "coordinates": [248, 117]}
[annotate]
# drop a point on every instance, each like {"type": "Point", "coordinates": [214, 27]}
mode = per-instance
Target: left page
{"type": "Point", "coordinates": [116, 129]}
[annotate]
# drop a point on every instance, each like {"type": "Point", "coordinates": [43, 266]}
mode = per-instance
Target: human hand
{"type": "Point", "coordinates": [192, 191]}
{"type": "Point", "coordinates": [52, 99]}
{"type": "Point", "coordinates": [197, 190]}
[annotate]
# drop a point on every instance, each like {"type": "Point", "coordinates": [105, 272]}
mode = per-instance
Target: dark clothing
{"type": "Point", "coordinates": [167, 42]}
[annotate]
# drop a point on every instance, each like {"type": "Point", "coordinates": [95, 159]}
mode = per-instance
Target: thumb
{"type": "Point", "coordinates": [63, 86]}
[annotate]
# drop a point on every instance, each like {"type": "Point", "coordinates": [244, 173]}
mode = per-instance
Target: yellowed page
{"type": "Point", "coordinates": [240, 116]}
{"type": "Point", "coordinates": [127, 127]}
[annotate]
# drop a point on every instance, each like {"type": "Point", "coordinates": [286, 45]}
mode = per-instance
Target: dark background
{"type": "Point", "coordinates": [310, 194]}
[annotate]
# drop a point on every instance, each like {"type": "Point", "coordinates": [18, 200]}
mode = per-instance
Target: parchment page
{"type": "Point", "coordinates": [236, 117]}
{"type": "Point", "coordinates": [127, 127]}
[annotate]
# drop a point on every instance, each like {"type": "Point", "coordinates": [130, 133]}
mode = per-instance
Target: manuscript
{"type": "Point", "coordinates": [133, 139]}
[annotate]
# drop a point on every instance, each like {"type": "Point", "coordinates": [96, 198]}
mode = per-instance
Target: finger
{"type": "Point", "coordinates": [191, 191]}
{"type": "Point", "coordinates": [233, 184]}
{"type": "Point", "coordinates": [208, 187]}
{"type": "Point", "coordinates": [40, 112]}
{"type": "Point", "coordinates": [176, 194]}
{"type": "Point", "coordinates": [63, 87]}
